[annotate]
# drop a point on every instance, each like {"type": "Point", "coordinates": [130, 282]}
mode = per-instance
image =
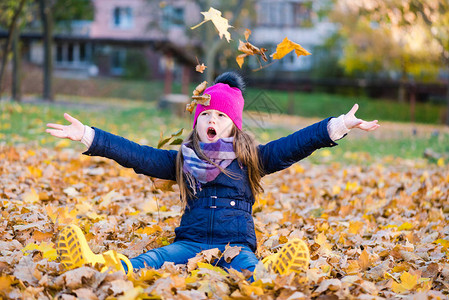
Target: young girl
{"type": "Point", "coordinates": [218, 169]}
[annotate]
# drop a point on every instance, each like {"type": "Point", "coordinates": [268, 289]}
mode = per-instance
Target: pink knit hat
{"type": "Point", "coordinates": [228, 100]}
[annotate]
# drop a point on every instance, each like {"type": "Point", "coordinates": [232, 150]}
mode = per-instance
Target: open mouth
{"type": "Point", "coordinates": [211, 133]}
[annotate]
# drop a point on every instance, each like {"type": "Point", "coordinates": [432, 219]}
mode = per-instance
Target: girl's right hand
{"type": "Point", "coordinates": [74, 131]}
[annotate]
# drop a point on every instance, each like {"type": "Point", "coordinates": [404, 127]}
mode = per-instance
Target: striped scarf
{"type": "Point", "coordinates": [221, 152]}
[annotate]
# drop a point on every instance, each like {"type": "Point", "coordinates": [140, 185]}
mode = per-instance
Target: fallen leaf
{"type": "Point", "coordinates": [231, 252]}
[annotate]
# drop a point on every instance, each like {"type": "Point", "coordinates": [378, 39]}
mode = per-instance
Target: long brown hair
{"type": "Point", "coordinates": [245, 148]}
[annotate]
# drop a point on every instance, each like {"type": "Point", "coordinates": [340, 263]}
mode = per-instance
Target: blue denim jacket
{"type": "Point", "coordinates": [221, 212]}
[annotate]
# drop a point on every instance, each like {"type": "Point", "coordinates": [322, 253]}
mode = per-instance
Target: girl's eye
{"type": "Point", "coordinates": [221, 115]}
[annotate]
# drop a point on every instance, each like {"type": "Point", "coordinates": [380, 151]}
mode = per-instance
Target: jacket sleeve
{"type": "Point", "coordinates": [282, 153]}
{"type": "Point", "coordinates": [143, 159]}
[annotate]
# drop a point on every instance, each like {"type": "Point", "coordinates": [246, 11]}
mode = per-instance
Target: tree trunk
{"type": "Point", "coordinates": [47, 22]}
{"type": "Point", "coordinates": [16, 84]}
{"type": "Point", "coordinates": [12, 28]}
{"type": "Point", "coordinates": [447, 100]}
{"type": "Point", "coordinates": [210, 60]}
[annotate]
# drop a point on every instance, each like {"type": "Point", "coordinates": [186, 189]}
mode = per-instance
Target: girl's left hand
{"type": "Point", "coordinates": [351, 121]}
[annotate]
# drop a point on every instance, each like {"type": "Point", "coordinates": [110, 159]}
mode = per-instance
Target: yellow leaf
{"type": "Point", "coordinates": [397, 288]}
{"type": "Point", "coordinates": [336, 189]}
{"type": "Point", "coordinates": [202, 265]}
{"type": "Point", "coordinates": [284, 189]}
{"type": "Point", "coordinates": [353, 267]}
{"type": "Point", "coordinates": [48, 250]}
{"type": "Point", "coordinates": [406, 226]}
{"type": "Point", "coordinates": [132, 294]}
{"type": "Point", "coordinates": [220, 23]}
{"type": "Point", "coordinates": [352, 186]}
{"type": "Point", "coordinates": [298, 168]}
{"type": "Point", "coordinates": [5, 282]}
{"type": "Point", "coordinates": [440, 162]}
{"type": "Point", "coordinates": [444, 243]}
{"type": "Point", "coordinates": [409, 281]}
{"type": "Point", "coordinates": [240, 59]}
{"type": "Point", "coordinates": [326, 153]}
{"type": "Point", "coordinates": [355, 227]}
{"type": "Point", "coordinates": [31, 197]}
{"type": "Point", "coordinates": [251, 289]}
{"type": "Point", "coordinates": [320, 239]}
{"type": "Point", "coordinates": [286, 46]}
{"type": "Point", "coordinates": [63, 143]}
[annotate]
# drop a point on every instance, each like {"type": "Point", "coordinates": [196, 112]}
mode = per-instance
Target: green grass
{"type": "Point", "coordinates": [324, 105]}
{"type": "Point", "coordinates": [142, 122]}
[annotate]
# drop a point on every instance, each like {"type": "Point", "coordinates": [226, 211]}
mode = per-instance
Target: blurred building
{"type": "Point", "coordinates": [142, 38]}
{"type": "Point", "coordinates": [132, 38]}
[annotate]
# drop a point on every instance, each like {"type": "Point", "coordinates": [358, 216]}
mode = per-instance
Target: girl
{"type": "Point", "coordinates": [218, 169]}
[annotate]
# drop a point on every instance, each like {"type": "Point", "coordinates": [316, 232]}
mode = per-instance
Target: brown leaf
{"type": "Point", "coordinates": [25, 270]}
{"type": "Point", "coordinates": [200, 88]}
{"type": "Point", "coordinates": [197, 98]}
{"type": "Point", "coordinates": [211, 254]}
{"type": "Point", "coordinates": [331, 284]}
{"type": "Point", "coordinates": [77, 278]}
{"type": "Point", "coordinates": [84, 293]}
{"type": "Point", "coordinates": [231, 252]}
{"type": "Point", "coordinates": [192, 263]}
{"type": "Point", "coordinates": [249, 49]}
{"type": "Point", "coordinates": [200, 68]}
{"type": "Point", "coordinates": [364, 260]}
{"type": "Point", "coordinates": [120, 286]}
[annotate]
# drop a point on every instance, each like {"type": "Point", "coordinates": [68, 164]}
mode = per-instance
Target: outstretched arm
{"type": "Point", "coordinates": [143, 159]}
{"type": "Point", "coordinates": [282, 153]}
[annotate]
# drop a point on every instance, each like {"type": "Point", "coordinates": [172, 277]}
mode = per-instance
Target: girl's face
{"type": "Point", "coordinates": [212, 125]}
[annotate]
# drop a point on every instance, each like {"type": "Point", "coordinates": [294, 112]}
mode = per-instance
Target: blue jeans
{"type": "Point", "coordinates": [180, 252]}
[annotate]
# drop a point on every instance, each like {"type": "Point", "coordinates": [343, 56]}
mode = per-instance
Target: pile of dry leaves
{"type": "Point", "coordinates": [376, 231]}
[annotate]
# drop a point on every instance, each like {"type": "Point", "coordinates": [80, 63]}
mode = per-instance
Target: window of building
{"type": "Point", "coordinates": [118, 60]}
{"type": "Point", "coordinates": [285, 14]}
{"type": "Point", "coordinates": [82, 47]}
{"type": "Point", "coordinates": [59, 53]}
{"type": "Point", "coordinates": [70, 52]}
{"type": "Point", "coordinates": [172, 17]}
{"type": "Point", "coordinates": [123, 17]}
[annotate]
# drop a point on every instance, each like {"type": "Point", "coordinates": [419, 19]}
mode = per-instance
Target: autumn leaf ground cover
{"type": "Point", "coordinates": [376, 222]}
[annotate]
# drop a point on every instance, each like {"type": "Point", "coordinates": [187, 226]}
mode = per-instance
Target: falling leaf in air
{"type": "Point", "coordinates": [220, 23]}
{"type": "Point", "coordinates": [286, 46]}
{"type": "Point", "coordinates": [200, 68]}
{"type": "Point", "coordinates": [249, 49]}
{"type": "Point", "coordinates": [198, 98]}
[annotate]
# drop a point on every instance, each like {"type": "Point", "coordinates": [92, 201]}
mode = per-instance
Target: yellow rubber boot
{"type": "Point", "coordinates": [74, 252]}
{"type": "Point", "coordinates": [293, 257]}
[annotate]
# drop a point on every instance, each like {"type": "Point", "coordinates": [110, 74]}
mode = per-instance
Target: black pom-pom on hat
{"type": "Point", "coordinates": [233, 79]}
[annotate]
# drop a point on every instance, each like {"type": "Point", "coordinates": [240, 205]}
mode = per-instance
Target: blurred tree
{"type": "Point", "coordinates": [16, 14]}
{"type": "Point", "coordinates": [47, 28]}
{"type": "Point", "coordinates": [10, 14]}
{"type": "Point", "coordinates": [377, 46]}
{"type": "Point", "coordinates": [409, 36]}
{"type": "Point", "coordinates": [58, 11]}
